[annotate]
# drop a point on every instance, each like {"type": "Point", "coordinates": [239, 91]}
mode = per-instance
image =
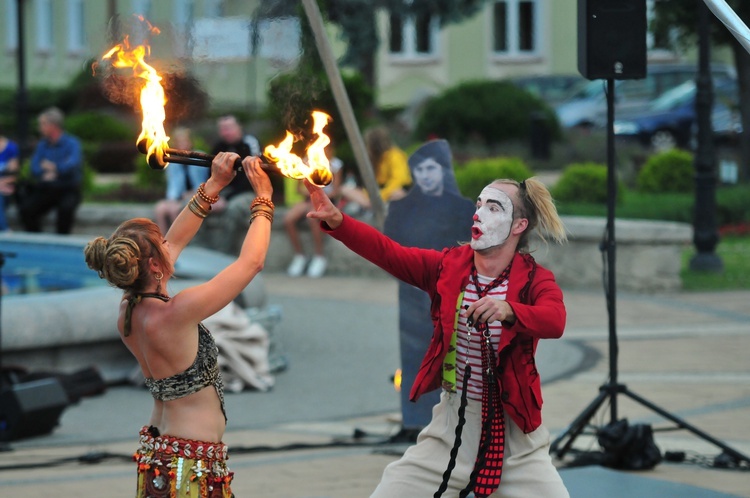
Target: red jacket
{"type": "Point", "coordinates": [536, 300]}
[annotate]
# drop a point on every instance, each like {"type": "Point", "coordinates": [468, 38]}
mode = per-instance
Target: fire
{"type": "Point", "coordinates": [317, 168]}
{"type": "Point", "coordinates": [154, 142]}
{"type": "Point", "coordinates": [397, 378]}
{"type": "Point", "coordinates": [153, 139]}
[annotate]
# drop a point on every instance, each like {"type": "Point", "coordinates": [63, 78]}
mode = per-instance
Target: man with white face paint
{"type": "Point", "coordinates": [493, 219]}
{"type": "Point", "coordinates": [491, 303]}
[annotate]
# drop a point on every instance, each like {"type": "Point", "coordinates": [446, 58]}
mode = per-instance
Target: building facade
{"type": "Point", "coordinates": [234, 52]}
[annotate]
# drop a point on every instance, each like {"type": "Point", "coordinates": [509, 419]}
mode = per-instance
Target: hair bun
{"type": "Point", "coordinates": [95, 254]}
{"type": "Point", "coordinates": [121, 262]}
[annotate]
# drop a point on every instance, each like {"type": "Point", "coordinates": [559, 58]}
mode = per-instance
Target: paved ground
{"type": "Point", "coordinates": [686, 353]}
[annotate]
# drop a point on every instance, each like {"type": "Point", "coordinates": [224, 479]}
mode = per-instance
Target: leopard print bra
{"type": "Point", "coordinates": [202, 373]}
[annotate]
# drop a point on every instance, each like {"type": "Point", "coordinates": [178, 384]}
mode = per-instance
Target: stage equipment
{"type": "Point", "coordinates": [612, 388]}
{"type": "Point", "coordinates": [612, 39]}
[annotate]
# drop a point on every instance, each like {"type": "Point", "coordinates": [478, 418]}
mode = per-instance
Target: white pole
{"type": "Point", "coordinates": [731, 20]}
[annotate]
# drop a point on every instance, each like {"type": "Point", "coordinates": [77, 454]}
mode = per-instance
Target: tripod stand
{"type": "Point", "coordinates": [612, 388]}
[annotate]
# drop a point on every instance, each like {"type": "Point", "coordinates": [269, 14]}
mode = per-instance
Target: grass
{"type": "Point", "coordinates": [733, 249]}
{"type": "Point", "coordinates": [733, 252]}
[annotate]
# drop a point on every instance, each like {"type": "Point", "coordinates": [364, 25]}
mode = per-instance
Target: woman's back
{"type": "Point", "coordinates": [166, 349]}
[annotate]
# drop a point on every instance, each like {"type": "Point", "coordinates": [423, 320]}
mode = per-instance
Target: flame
{"type": "Point", "coordinates": [317, 168]}
{"type": "Point", "coordinates": [397, 380]}
{"type": "Point", "coordinates": [153, 139]}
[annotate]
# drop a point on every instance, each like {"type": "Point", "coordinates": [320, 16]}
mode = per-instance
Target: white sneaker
{"type": "Point", "coordinates": [297, 266]}
{"type": "Point", "coordinates": [317, 267]}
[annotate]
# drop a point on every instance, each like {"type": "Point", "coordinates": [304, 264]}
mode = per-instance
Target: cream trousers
{"type": "Point", "coordinates": [527, 467]}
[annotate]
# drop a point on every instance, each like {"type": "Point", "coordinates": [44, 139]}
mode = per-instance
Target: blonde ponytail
{"type": "Point", "coordinates": [535, 203]}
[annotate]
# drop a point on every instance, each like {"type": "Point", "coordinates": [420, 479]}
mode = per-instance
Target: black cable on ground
{"type": "Point", "coordinates": [359, 439]}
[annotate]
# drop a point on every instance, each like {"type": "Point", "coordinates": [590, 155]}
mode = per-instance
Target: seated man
{"type": "Point", "coordinates": [57, 172]}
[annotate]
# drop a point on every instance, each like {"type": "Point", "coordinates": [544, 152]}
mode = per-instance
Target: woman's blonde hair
{"type": "Point", "coordinates": [123, 258]}
{"type": "Point", "coordinates": [534, 202]}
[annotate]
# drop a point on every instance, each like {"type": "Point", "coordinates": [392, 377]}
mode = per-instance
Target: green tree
{"type": "Point", "coordinates": [681, 18]}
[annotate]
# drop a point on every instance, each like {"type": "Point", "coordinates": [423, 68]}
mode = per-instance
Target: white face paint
{"type": "Point", "coordinates": [493, 219]}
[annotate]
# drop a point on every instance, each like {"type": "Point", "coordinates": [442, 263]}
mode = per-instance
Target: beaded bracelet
{"type": "Point", "coordinates": [262, 207]}
{"type": "Point", "coordinates": [202, 194]}
{"type": "Point", "coordinates": [262, 201]}
{"type": "Point", "coordinates": [197, 209]}
{"type": "Point", "coordinates": [264, 214]}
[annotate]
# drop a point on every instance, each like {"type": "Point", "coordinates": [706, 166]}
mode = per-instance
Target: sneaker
{"type": "Point", "coordinates": [317, 267]}
{"type": "Point", "coordinates": [297, 266]}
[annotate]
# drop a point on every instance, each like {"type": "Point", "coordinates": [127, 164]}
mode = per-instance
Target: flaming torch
{"type": "Point", "coordinates": [154, 142]}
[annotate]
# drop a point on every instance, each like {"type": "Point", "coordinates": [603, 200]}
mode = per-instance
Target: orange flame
{"type": "Point", "coordinates": [153, 139]}
{"type": "Point", "coordinates": [397, 378]}
{"type": "Point", "coordinates": [316, 169]}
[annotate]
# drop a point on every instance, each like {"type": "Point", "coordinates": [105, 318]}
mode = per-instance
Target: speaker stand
{"type": "Point", "coordinates": [3, 445]}
{"type": "Point", "coordinates": [611, 389]}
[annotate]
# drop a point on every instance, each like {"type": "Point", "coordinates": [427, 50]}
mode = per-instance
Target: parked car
{"type": "Point", "coordinates": [669, 121]}
{"type": "Point", "coordinates": [588, 107]}
{"type": "Point", "coordinates": [553, 88]}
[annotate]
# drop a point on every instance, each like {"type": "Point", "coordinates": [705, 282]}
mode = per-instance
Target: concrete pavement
{"type": "Point", "coordinates": [685, 352]}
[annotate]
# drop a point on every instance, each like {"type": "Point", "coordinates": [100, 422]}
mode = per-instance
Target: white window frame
{"type": "Point", "coordinates": [409, 41]}
{"type": "Point", "coordinates": [11, 25]}
{"type": "Point", "coordinates": [76, 26]}
{"type": "Point", "coordinates": [43, 25]}
{"type": "Point", "coordinates": [513, 51]}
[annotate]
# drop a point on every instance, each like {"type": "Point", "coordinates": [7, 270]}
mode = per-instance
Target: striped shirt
{"type": "Point", "coordinates": [468, 345]}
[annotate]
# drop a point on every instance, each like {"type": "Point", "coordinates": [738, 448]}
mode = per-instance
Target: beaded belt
{"type": "Point", "coordinates": [204, 463]}
{"type": "Point", "coordinates": [187, 448]}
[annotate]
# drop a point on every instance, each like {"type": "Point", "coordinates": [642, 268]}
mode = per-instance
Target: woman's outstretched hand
{"type": "Point", "coordinates": [322, 207]}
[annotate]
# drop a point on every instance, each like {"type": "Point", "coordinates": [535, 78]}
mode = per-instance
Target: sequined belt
{"type": "Point", "coordinates": [168, 465]}
{"type": "Point", "coordinates": [187, 448]}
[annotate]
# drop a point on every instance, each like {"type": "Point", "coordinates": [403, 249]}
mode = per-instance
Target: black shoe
{"type": "Point", "coordinates": [405, 435]}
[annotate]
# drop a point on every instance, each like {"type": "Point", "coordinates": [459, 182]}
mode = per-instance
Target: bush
{"type": "Point", "coordinates": [732, 206]}
{"type": "Point", "coordinates": [669, 171]}
{"type": "Point", "coordinates": [478, 173]}
{"type": "Point", "coordinates": [108, 143]}
{"type": "Point", "coordinates": [487, 111]}
{"type": "Point", "coordinates": [98, 127]}
{"type": "Point", "coordinates": [584, 182]}
{"type": "Point", "coordinates": [148, 178]}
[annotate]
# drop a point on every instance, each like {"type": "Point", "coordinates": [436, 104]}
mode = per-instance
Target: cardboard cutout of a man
{"type": "Point", "coordinates": [433, 215]}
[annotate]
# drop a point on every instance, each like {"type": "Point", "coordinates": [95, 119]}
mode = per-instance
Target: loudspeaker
{"type": "Point", "coordinates": [31, 408]}
{"type": "Point", "coordinates": [612, 39]}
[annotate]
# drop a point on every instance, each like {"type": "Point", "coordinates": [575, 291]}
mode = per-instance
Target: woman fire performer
{"type": "Point", "coordinates": [181, 452]}
{"type": "Point", "coordinates": [491, 303]}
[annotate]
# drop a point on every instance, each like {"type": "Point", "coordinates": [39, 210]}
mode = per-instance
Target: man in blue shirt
{"type": "Point", "coordinates": [57, 171]}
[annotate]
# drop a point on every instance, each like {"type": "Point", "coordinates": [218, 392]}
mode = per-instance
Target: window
{"type": "Point", "coordinates": [515, 29]}
{"type": "Point", "coordinates": [76, 26]}
{"type": "Point", "coordinates": [142, 7]}
{"type": "Point", "coordinates": [659, 40]}
{"type": "Point", "coordinates": [43, 25]}
{"type": "Point", "coordinates": [213, 8]}
{"type": "Point", "coordinates": [414, 35]}
{"type": "Point", "coordinates": [11, 29]}
{"type": "Point", "coordinates": [183, 13]}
